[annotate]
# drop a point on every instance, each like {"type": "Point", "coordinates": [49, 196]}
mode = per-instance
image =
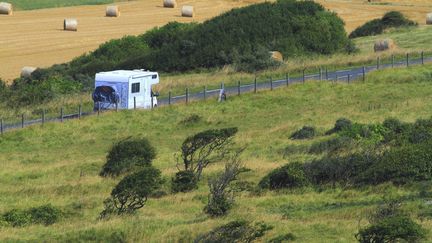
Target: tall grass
{"type": "Point", "coordinates": [59, 163]}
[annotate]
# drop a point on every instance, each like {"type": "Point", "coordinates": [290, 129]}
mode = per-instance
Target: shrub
{"type": "Point", "coordinates": [184, 181]}
{"type": "Point", "coordinates": [127, 155]}
{"type": "Point", "coordinates": [377, 26]}
{"type": "Point", "coordinates": [235, 232]}
{"type": "Point", "coordinates": [131, 192]}
{"type": "Point", "coordinates": [334, 145]}
{"type": "Point", "coordinates": [341, 124]}
{"type": "Point", "coordinates": [305, 132]}
{"type": "Point", "coordinates": [392, 229]}
{"type": "Point", "coordinates": [283, 238]}
{"type": "Point", "coordinates": [289, 176]}
{"type": "Point", "coordinates": [221, 195]}
{"type": "Point", "coordinates": [400, 165]}
{"type": "Point", "coordinates": [46, 215]}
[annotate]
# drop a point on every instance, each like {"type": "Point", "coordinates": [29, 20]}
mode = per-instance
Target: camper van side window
{"type": "Point", "coordinates": [154, 76]}
{"type": "Point", "coordinates": [135, 87]}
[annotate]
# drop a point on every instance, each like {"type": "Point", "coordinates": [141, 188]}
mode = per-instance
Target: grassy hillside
{"type": "Point", "coordinates": [38, 4]}
{"type": "Point", "coordinates": [59, 163]}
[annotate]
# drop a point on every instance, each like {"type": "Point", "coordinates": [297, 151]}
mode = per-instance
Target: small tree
{"type": "Point", "coordinates": [221, 196]}
{"type": "Point", "coordinates": [184, 181]}
{"type": "Point", "coordinates": [128, 154]}
{"type": "Point", "coordinates": [203, 148]}
{"type": "Point", "coordinates": [131, 192]}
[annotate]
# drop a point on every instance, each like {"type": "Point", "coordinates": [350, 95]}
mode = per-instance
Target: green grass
{"type": "Point", "coordinates": [59, 163]}
{"type": "Point", "coordinates": [38, 4]}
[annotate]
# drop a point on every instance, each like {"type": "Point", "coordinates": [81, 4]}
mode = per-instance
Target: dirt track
{"type": "Point", "coordinates": [36, 38]}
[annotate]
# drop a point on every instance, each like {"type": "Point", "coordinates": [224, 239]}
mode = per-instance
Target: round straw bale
{"type": "Point", "coordinates": [187, 11]}
{"type": "Point", "coordinates": [26, 72]}
{"type": "Point", "coordinates": [112, 11]}
{"type": "Point", "coordinates": [429, 18]}
{"type": "Point", "coordinates": [6, 8]}
{"type": "Point", "coordinates": [277, 56]}
{"type": "Point", "coordinates": [170, 3]}
{"type": "Point", "coordinates": [70, 24]}
{"type": "Point", "coordinates": [384, 45]}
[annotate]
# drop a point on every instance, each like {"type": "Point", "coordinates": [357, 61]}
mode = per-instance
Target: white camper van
{"type": "Point", "coordinates": [125, 89]}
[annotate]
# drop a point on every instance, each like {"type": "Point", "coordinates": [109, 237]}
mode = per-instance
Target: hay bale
{"type": "Point", "coordinates": [384, 45]}
{"type": "Point", "coordinates": [187, 11]}
{"type": "Point", "coordinates": [112, 11]}
{"type": "Point", "coordinates": [70, 24]}
{"type": "Point", "coordinates": [429, 18]}
{"type": "Point", "coordinates": [170, 3]}
{"type": "Point", "coordinates": [26, 72]}
{"type": "Point", "coordinates": [6, 8]}
{"type": "Point", "coordinates": [277, 56]}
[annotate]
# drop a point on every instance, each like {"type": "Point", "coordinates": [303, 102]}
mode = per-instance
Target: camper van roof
{"type": "Point", "coordinates": [122, 75]}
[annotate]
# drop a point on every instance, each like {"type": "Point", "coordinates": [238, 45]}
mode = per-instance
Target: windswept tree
{"type": "Point", "coordinates": [221, 195]}
{"type": "Point", "coordinates": [132, 192]}
{"type": "Point", "coordinates": [197, 152]}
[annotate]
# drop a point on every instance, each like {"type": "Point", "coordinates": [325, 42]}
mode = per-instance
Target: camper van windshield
{"type": "Point", "coordinates": [154, 76]}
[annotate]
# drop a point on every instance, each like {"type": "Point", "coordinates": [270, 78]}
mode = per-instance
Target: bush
{"type": "Point", "coordinates": [235, 232]}
{"type": "Point", "coordinates": [221, 197]}
{"type": "Point", "coordinates": [400, 165]}
{"type": "Point", "coordinates": [46, 215]}
{"type": "Point", "coordinates": [131, 192]}
{"type": "Point", "coordinates": [127, 155]}
{"type": "Point", "coordinates": [341, 124]}
{"type": "Point", "coordinates": [283, 238]}
{"type": "Point", "coordinates": [305, 132]}
{"type": "Point", "coordinates": [377, 26]}
{"type": "Point", "coordinates": [184, 181]}
{"type": "Point", "coordinates": [289, 176]}
{"type": "Point", "coordinates": [392, 229]}
{"type": "Point", "coordinates": [334, 145]}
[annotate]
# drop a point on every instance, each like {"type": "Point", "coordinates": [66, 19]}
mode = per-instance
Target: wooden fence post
{"type": "Point", "coordinates": [255, 85]}
{"type": "Point", "coordinates": [22, 120]}
{"type": "Point", "coordinates": [364, 73]}
{"type": "Point", "coordinates": [79, 111]}
{"type": "Point", "coordinates": [349, 78]}
{"type": "Point", "coordinates": [422, 57]}
{"type": "Point", "coordinates": [152, 102]}
{"type": "Point", "coordinates": [169, 98]}
{"type": "Point", "coordinates": [407, 59]}
{"type": "Point", "coordinates": [116, 105]}
{"type": "Point", "coordinates": [392, 60]}
{"type": "Point", "coordinates": [205, 92]}
{"type": "Point", "coordinates": [271, 83]}
{"type": "Point", "coordinates": [238, 88]}
{"type": "Point", "coordinates": [43, 117]}
{"type": "Point", "coordinates": [287, 79]}
{"type": "Point", "coordinates": [1, 126]}
{"type": "Point", "coordinates": [134, 102]}
{"type": "Point", "coordinates": [98, 111]}
{"type": "Point", "coordinates": [378, 62]}
{"type": "Point", "coordinates": [326, 73]}
{"type": "Point", "coordinates": [304, 76]}
{"type": "Point", "coordinates": [187, 95]}
{"type": "Point", "coordinates": [320, 74]}
{"type": "Point", "coordinates": [61, 114]}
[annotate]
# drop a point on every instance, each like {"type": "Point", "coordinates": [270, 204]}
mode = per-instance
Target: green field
{"type": "Point", "coordinates": [59, 164]}
{"type": "Point", "coordinates": [38, 4]}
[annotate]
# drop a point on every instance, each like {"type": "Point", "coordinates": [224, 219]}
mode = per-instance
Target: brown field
{"type": "Point", "coordinates": [357, 12]}
{"type": "Point", "coordinates": [35, 38]}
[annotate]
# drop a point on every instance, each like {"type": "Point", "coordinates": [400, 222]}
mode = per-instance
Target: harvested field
{"type": "Point", "coordinates": [358, 12]}
{"type": "Point", "coordinates": [36, 38]}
